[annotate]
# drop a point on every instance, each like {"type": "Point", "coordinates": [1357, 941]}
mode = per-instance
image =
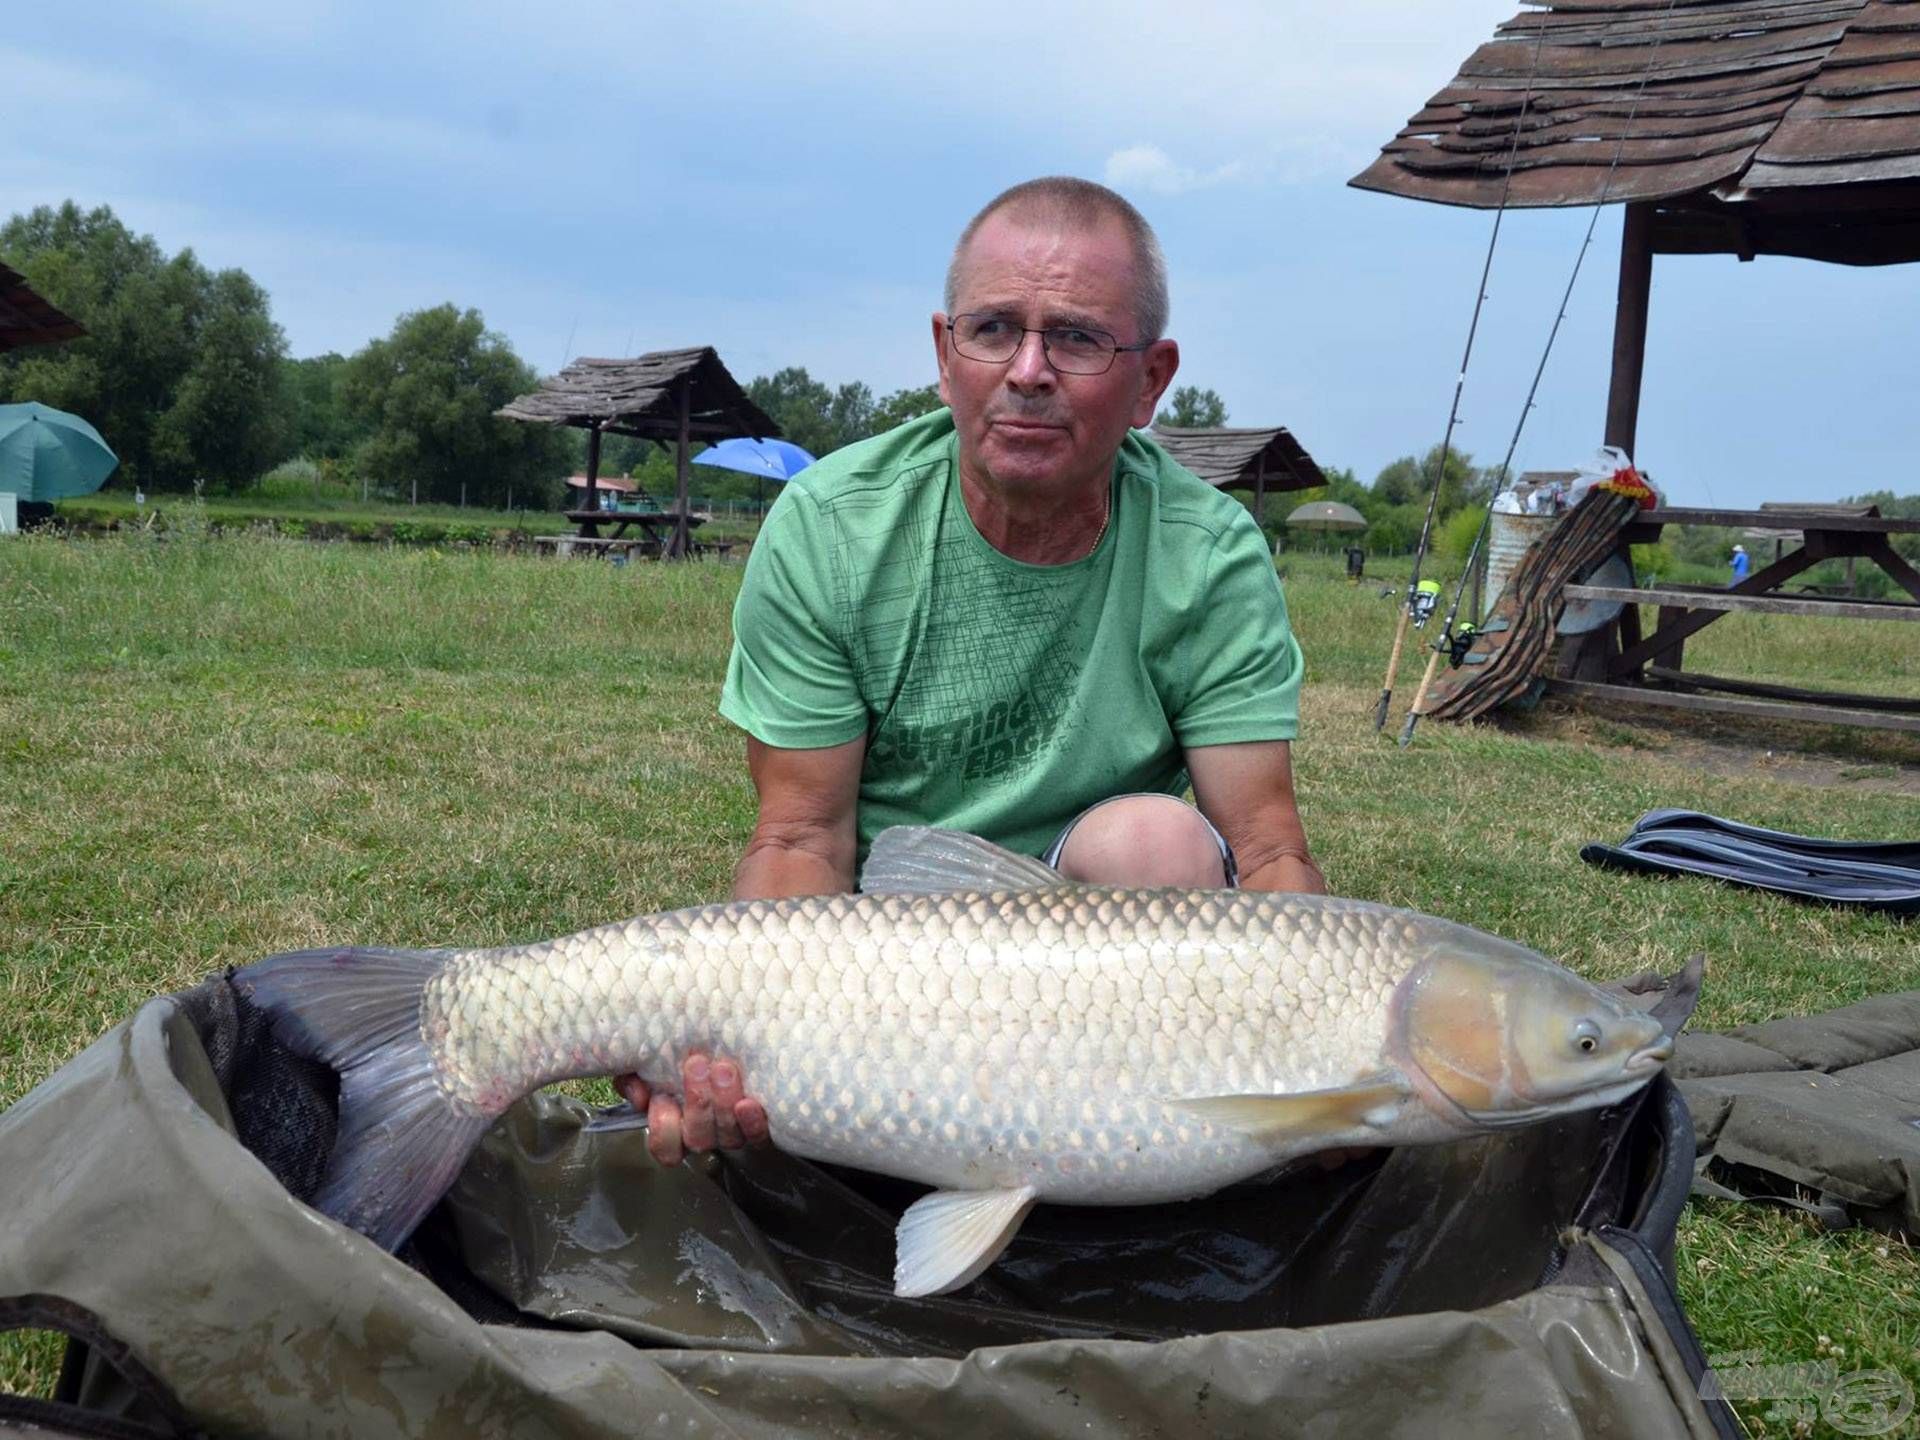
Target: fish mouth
{"type": "Point", "coordinates": [1650, 1059]}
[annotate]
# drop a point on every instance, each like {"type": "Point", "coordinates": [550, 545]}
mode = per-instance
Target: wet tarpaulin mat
{"type": "Point", "coordinates": [1514, 1283]}
{"type": "Point", "coordinates": [1819, 1111]}
{"type": "Point", "coordinates": [1865, 874]}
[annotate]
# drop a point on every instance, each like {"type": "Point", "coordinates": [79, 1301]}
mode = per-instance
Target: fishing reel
{"type": "Point", "coordinates": [1426, 599]}
{"type": "Point", "coordinates": [1458, 643]}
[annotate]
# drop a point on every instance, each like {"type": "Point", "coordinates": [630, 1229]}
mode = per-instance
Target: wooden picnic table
{"type": "Point", "coordinates": [658, 524]}
{"type": "Point", "coordinates": [1647, 668]}
{"type": "Point", "coordinates": [658, 529]}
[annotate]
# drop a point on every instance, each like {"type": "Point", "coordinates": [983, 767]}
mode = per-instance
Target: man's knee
{"type": "Point", "coordinates": [1144, 840]}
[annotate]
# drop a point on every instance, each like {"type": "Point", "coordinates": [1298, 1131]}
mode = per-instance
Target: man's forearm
{"type": "Point", "coordinates": [774, 870]}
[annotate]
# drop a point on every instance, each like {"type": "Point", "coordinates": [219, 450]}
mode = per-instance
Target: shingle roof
{"type": "Point", "coordinates": [26, 318]}
{"type": "Point", "coordinates": [641, 397]}
{"type": "Point", "coordinates": [1761, 126]}
{"type": "Point", "coordinates": [1232, 458]}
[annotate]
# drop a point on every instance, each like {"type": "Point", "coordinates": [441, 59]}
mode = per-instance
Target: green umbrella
{"type": "Point", "coordinates": [47, 454]}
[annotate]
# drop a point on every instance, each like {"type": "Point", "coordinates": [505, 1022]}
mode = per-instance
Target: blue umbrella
{"type": "Point", "coordinates": [47, 454]}
{"type": "Point", "coordinates": [769, 459]}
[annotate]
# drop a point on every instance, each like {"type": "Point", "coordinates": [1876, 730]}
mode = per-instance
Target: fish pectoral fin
{"type": "Point", "coordinates": [922, 860]}
{"type": "Point", "coordinates": [947, 1238]}
{"type": "Point", "coordinates": [1371, 1103]}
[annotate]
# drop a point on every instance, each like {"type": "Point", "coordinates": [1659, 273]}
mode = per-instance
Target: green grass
{"type": "Point", "coordinates": [211, 749]}
{"type": "Point", "coordinates": [337, 514]}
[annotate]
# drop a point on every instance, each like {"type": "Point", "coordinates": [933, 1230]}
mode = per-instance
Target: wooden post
{"type": "Point", "coordinates": [1630, 326]}
{"type": "Point", "coordinates": [593, 466]}
{"type": "Point", "coordinates": [681, 532]}
{"type": "Point", "coordinates": [1260, 489]}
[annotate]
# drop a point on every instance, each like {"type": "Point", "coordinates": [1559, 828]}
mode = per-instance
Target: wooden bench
{"type": "Point", "coordinates": [595, 545]}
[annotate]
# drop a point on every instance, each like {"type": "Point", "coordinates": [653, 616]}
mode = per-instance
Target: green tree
{"type": "Point", "coordinates": [319, 425]}
{"type": "Point", "coordinates": [1399, 483]}
{"type": "Point", "coordinates": [227, 420]}
{"type": "Point", "coordinates": [850, 415]}
{"type": "Point", "coordinates": [904, 405]}
{"type": "Point", "coordinates": [810, 414]}
{"type": "Point", "coordinates": [1194, 409]}
{"type": "Point", "coordinates": [1408, 481]}
{"type": "Point", "coordinates": [798, 404]}
{"type": "Point", "coordinates": [426, 395]}
{"type": "Point", "coordinates": [179, 369]}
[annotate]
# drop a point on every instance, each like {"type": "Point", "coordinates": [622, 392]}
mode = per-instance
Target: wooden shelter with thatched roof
{"type": "Point", "coordinates": [667, 395]}
{"type": "Point", "coordinates": [1261, 459]}
{"type": "Point", "coordinates": [1736, 127]}
{"type": "Point", "coordinates": [27, 318]}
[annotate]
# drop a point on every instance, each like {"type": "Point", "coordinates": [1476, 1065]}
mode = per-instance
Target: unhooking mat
{"type": "Point", "coordinates": [1516, 1283]}
{"type": "Point", "coordinates": [1867, 875]}
{"type": "Point", "coordinates": [1822, 1111]}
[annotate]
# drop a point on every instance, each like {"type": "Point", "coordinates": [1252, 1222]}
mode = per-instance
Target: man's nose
{"type": "Point", "coordinates": [1029, 369]}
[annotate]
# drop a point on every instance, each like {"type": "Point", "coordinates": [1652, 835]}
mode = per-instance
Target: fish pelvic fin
{"type": "Point", "coordinates": [947, 1238]}
{"type": "Point", "coordinates": [922, 860]}
{"type": "Point", "coordinates": [1368, 1104]}
{"type": "Point", "coordinates": [400, 1140]}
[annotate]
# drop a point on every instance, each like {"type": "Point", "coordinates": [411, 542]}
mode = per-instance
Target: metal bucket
{"type": "Point", "coordinates": [1507, 540]}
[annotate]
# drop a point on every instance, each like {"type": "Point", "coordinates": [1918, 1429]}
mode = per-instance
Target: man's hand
{"type": "Point", "coordinates": [714, 1110]}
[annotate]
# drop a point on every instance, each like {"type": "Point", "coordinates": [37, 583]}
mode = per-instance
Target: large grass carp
{"type": "Point", "coordinates": [972, 1022]}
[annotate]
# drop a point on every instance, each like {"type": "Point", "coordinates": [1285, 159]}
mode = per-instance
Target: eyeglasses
{"type": "Point", "coordinates": [1070, 349]}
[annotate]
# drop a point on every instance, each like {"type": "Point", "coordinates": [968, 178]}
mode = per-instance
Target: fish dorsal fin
{"type": "Point", "coordinates": [1370, 1103]}
{"type": "Point", "coordinates": [920, 860]}
{"type": "Point", "coordinates": [950, 1236]}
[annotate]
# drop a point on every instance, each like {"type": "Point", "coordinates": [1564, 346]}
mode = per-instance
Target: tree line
{"type": "Point", "coordinates": [187, 375]}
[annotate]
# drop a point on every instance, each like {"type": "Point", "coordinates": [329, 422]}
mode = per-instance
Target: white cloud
{"type": "Point", "coordinates": [1148, 167]}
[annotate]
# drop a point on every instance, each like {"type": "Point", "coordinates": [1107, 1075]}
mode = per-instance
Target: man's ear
{"type": "Point", "coordinates": [1157, 366]}
{"type": "Point", "coordinates": [940, 353]}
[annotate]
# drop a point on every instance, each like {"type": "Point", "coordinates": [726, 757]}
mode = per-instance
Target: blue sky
{"type": "Point", "coordinates": [783, 181]}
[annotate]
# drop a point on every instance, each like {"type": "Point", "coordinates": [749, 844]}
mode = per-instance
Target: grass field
{"type": "Point", "coordinates": [211, 749]}
{"type": "Point", "coordinates": [338, 513]}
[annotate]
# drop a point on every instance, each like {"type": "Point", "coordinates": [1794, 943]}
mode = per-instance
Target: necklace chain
{"type": "Point", "coordinates": [1106, 519]}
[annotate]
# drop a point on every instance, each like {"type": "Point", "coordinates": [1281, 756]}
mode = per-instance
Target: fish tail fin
{"type": "Point", "coordinates": [401, 1140]}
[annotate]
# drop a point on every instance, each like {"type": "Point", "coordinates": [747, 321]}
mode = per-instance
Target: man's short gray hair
{"type": "Point", "coordinates": [1074, 204]}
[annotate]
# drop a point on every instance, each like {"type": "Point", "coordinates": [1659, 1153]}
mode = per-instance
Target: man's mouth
{"type": "Point", "coordinates": [1020, 425]}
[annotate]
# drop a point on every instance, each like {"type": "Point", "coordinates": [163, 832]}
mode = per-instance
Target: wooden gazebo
{"type": "Point", "coordinates": [1736, 127]}
{"type": "Point", "coordinates": [676, 396]}
{"type": "Point", "coordinates": [1260, 459]}
{"type": "Point", "coordinates": [1742, 127]}
{"type": "Point", "coordinates": [27, 318]}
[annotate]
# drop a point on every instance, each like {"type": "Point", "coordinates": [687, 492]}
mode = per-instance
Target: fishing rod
{"type": "Point", "coordinates": [1443, 643]}
{"type": "Point", "coordinates": [1453, 414]}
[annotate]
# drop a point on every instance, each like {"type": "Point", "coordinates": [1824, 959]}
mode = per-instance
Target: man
{"type": "Point", "coordinates": [1741, 564]}
{"type": "Point", "coordinates": [1014, 616]}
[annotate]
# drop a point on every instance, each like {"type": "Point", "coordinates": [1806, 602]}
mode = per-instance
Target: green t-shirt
{"type": "Point", "coordinates": [996, 696]}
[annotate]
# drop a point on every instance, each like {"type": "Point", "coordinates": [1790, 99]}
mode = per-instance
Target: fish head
{"type": "Point", "coordinates": [1497, 1035]}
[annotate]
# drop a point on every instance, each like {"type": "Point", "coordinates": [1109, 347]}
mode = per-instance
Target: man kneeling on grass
{"type": "Point", "coordinates": [1014, 616]}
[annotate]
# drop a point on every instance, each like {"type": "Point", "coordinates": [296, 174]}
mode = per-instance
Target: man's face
{"type": "Point", "coordinates": [1024, 426]}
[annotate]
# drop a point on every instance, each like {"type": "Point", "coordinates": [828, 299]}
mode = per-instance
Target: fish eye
{"type": "Point", "coordinates": [1586, 1036]}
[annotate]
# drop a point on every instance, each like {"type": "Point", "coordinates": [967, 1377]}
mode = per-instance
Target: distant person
{"type": "Point", "coordinates": [1017, 616]}
{"type": "Point", "coordinates": [1740, 565]}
